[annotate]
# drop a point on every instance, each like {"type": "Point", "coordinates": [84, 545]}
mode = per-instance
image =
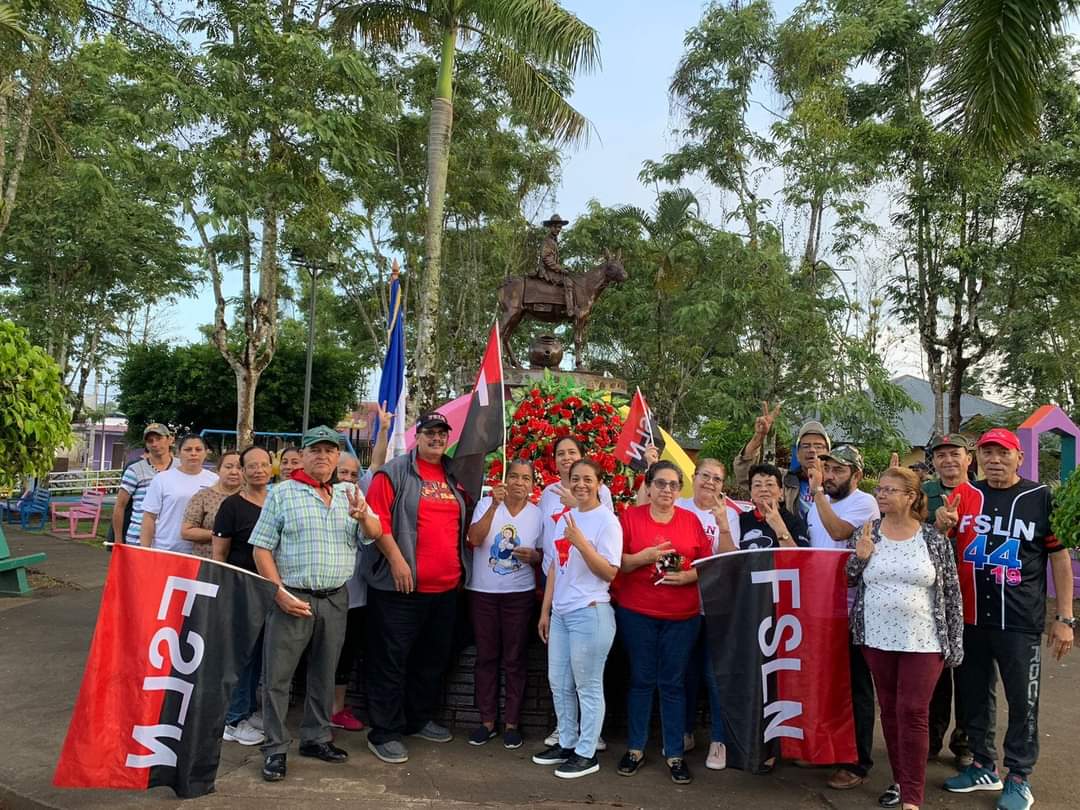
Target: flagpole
{"type": "Point", "coordinates": [502, 384]}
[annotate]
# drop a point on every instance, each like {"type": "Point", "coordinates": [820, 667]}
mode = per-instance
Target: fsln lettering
{"type": "Point", "coordinates": [774, 577]}
{"type": "Point", "coordinates": [191, 588]}
{"type": "Point", "coordinates": [150, 737]}
{"type": "Point", "coordinates": [788, 632]}
{"type": "Point", "coordinates": [987, 524]}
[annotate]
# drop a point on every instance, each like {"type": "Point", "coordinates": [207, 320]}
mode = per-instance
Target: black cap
{"type": "Point", "coordinates": [432, 419]}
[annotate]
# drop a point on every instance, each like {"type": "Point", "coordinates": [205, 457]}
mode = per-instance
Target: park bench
{"type": "Point", "coordinates": [13, 581]}
{"type": "Point", "coordinates": [88, 508]}
{"type": "Point", "coordinates": [37, 504]}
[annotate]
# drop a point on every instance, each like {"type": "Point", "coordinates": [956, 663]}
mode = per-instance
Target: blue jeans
{"type": "Point", "coordinates": [578, 647]}
{"type": "Point", "coordinates": [701, 664]}
{"type": "Point", "coordinates": [242, 704]}
{"type": "Point", "coordinates": [658, 650]}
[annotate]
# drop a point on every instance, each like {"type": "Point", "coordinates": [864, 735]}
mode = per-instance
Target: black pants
{"type": "Point", "coordinates": [1019, 660]}
{"type": "Point", "coordinates": [410, 639]}
{"type": "Point", "coordinates": [353, 646]}
{"type": "Point", "coordinates": [863, 711]}
{"type": "Point", "coordinates": [941, 714]}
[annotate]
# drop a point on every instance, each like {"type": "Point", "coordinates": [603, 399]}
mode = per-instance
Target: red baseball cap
{"type": "Point", "coordinates": [1006, 438]}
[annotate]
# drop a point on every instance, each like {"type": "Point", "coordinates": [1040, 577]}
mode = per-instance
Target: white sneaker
{"type": "Point", "coordinates": [255, 721]}
{"type": "Point", "coordinates": [601, 744]}
{"type": "Point", "coordinates": [717, 758]}
{"type": "Point", "coordinates": [688, 743]}
{"type": "Point", "coordinates": [552, 738]}
{"type": "Point", "coordinates": [243, 733]}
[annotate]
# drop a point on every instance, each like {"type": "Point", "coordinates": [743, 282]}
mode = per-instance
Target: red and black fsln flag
{"type": "Point", "coordinates": [777, 627]}
{"type": "Point", "coordinates": [172, 634]}
{"type": "Point", "coordinates": [484, 430]}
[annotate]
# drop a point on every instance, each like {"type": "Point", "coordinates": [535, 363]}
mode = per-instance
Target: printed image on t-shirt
{"type": "Point", "coordinates": [436, 490]}
{"type": "Point", "coordinates": [501, 558]}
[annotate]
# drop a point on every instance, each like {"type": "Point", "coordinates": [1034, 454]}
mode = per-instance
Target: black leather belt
{"type": "Point", "coordinates": [323, 594]}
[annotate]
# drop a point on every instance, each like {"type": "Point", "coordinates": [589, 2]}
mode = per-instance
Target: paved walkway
{"type": "Point", "coordinates": [44, 640]}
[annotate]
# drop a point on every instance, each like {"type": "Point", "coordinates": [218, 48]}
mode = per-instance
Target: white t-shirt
{"type": "Point", "coordinates": [708, 522]}
{"type": "Point", "coordinates": [167, 497]}
{"type": "Point", "coordinates": [551, 507]}
{"type": "Point", "coordinates": [898, 607]}
{"type": "Point", "coordinates": [494, 568]}
{"type": "Point", "coordinates": [576, 586]}
{"type": "Point", "coordinates": [857, 508]}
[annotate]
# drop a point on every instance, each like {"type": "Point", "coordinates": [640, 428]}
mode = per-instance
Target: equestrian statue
{"type": "Point", "coordinates": [553, 294]}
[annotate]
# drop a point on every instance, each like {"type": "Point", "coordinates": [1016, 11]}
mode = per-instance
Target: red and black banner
{"type": "Point", "coordinates": [172, 634]}
{"type": "Point", "coordinates": [484, 430]}
{"type": "Point", "coordinates": [777, 625]}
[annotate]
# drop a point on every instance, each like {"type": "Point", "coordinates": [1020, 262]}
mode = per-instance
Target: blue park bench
{"type": "Point", "coordinates": [13, 580]}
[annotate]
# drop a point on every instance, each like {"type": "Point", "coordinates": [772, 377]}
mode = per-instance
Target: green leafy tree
{"type": "Point", "coordinates": [34, 418]}
{"type": "Point", "coordinates": [533, 45]}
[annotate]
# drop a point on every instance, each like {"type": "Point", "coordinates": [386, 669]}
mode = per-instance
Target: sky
{"type": "Point", "coordinates": [626, 100]}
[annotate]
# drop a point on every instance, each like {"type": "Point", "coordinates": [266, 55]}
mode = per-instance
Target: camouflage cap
{"type": "Point", "coordinates": [845, 454]}
{"type": "Point", "coordinates": [949, 440]}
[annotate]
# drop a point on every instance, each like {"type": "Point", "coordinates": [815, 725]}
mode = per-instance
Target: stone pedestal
{"type": "Point", "coordinates": [527, 377]}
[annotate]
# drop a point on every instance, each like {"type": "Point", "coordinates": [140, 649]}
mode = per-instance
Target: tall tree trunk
{"type": "Point", "coordinates": [247, 382]}
{"type": "Point", "coordinates": [442, 118]}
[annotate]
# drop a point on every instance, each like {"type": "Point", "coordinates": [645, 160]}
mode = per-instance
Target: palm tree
{"type": "Point", "coordinates": [995, 54]}
{"type": "Point", "coordinates": [530, 42]}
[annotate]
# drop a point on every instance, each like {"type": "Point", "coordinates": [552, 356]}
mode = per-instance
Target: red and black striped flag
{"type": "Point", "coordinates": [639, 431]}
{"type": "Point", "coordinates": [484, 430]}
{"type": "Point", "coordinates": [777, 627]}
{"type": "Point", "coordinates": [172, 634]}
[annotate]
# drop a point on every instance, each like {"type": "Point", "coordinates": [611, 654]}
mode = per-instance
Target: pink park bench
{"type": "Point", "coordinates": [88, 508]}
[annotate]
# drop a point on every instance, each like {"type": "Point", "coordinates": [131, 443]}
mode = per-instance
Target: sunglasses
{"type": "Point", "coordinates": [674, 486]}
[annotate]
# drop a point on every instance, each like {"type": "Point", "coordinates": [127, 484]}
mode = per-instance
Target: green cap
{"type": "Point", "coordinates": [321, 434]}
{"type": "Point", "coordinates": [950, 440]}
{"type": "Point", "coordinates": [845, 454]}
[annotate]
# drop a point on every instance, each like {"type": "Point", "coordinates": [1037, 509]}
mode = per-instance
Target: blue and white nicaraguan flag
{"type": "Point", "coordinates": [393, 389]}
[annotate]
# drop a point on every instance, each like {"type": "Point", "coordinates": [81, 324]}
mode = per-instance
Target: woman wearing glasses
{"type": "Point", "coordinates": [658, 614]}
{"type": "Point", "coordinates": [908, 619]}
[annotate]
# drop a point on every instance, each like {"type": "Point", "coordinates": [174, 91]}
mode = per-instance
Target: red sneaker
{"type": "Point", "coordinates": [347, 720]}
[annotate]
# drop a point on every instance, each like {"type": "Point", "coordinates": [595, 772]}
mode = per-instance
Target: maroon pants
{"type": "Point", "coordinates": [501, 624]}
{"type": "Point", "coordinates": [905, 683]}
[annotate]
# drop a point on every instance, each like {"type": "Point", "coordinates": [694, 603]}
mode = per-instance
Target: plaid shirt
{"type": "Point", "coordinates": [314, 545]}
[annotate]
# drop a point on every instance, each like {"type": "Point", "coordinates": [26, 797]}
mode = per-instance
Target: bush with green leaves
{"type": "Point", "coordinates": [1065, 520]}
{"type": "Point", "coordinates": [35, 418]}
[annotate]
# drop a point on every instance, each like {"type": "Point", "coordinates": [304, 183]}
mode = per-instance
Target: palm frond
{"type": "Point", "coordinates": [385, 22]}
{"type": "Point", "coordinates": [995, 55]}
{"type": "Point", "coordinates": [9, 24]}
{"type": "Point", "coordinates": [535, 94]}
{"type": "Point", "coordinates": [539, 29]}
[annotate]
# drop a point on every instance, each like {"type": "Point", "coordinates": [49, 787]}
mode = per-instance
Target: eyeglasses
{"type": "Point", "coordinates": [711, 479]}
{"type": "Point", "coordinates": [890, 491]}
{"type": "Point", "coordinates": [674, 486]}
{"type": "Point", "coordinates": [817, 446]}
{"type": "Point", "coordinates": [435, 433]}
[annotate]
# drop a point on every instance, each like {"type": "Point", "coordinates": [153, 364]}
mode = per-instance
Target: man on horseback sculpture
{"type": "Point", "coordinates": [548, 268]}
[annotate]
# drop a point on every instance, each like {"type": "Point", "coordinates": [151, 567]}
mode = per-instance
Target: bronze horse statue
{"type": "Point", "coordinates": [546, 302]}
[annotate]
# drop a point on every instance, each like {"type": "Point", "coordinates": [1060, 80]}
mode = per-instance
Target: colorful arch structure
{"type": "Point", "coordinates": [1047, 419]}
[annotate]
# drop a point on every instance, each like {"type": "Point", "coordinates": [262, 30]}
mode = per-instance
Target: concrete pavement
{"type": "Point", "coordinates": [44, 640]}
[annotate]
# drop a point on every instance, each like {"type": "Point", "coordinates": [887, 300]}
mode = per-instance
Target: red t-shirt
{"type": "Point", "coordinates": [438, 560]}
{"type": "Point", "coordinates": [636, 591]}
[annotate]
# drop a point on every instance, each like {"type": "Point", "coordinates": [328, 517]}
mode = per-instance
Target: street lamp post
{"type": "Point", "coordinates": [314, 269]}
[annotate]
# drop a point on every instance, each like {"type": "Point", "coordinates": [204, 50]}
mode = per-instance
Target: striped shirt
{"type": "Point", "coordinates": [135, 481]}
{"type": "Point", "coordinates": [314, 545]}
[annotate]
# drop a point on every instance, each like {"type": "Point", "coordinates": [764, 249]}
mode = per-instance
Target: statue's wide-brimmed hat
{"type": "Point", "coordinates": [555, 220]}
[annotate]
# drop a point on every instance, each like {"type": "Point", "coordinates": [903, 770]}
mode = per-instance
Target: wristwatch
{"type": "Point", "coordinates": [1069, 621]}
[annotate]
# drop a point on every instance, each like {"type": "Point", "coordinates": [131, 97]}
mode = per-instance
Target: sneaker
{"type": "Point", "coordinates": [688, 743]}
{"type": "Point", "coordinates": [891, 796]}
{"type": "Point", "coordinates": [347, 720]}
{"type": "Point", "coordinates": [552, 738]}
{"type": "Point", "coordinates": [973, 777]}
{"type": "Point", "coordinates": [717, 758]}
{"type": "Point", "coordinates": [274, 767]}
{"type": "Point", "coordinates": [576, 766]}
{"type": "Point", "coordinates": [433, 732]}
{"type": "Point", "coordinates": [680, 773]}
{"type": "Point", "coordinates": [512, 739]}
{"type": "Point", "coordinates": [243, 733]}
{"type": "Point", "coordinates": [393, 752]}
{"type": "Point", "coordinates": [255, 721]}
{"type": "Point", "coordinates": [629, 764]}
{"type": "Point", "coordinates": [1017, 794]}
{"type": "Point", "coordinates": [601, 744]}
{"type": "Point", "coordinates": [481, 734]}
{"type": "Point", "coordinates": [553, 755]}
